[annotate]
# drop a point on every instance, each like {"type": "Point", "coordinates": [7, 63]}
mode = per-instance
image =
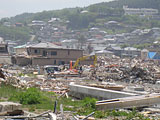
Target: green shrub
{"type": "Point", "coordinates": [99, 114]}
{"type": "Point", "coordinates": [32, 108]}
{"type": "Point", "coordinates": [89, 102]}
{"type": "Point", "coordinates": [86, 106]}
{"type": "Point", "coordinates": [31, 96]}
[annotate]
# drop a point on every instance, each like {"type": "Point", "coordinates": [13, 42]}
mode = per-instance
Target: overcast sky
{"type": "Point", "coordinates": [10, 8]}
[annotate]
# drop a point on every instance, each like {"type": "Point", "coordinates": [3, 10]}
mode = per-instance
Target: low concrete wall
{"type": "Point", "coordinates": [22, 61]}
{"type": "Point", "coordinates": [80, 91]}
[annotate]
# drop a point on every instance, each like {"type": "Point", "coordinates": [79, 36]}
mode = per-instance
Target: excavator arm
{"type": "Point", "coordinates": [94, 57]}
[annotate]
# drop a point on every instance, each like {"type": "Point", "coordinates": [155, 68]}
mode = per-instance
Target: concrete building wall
{"type": "Point", "coordinates": [49, 61]}
{"type": "Point", "coordinates": [22, 61]}
{"type": "Point", "coordinates": [48, 56]}
{"type": "Point", "coordinates": [5, 59]}
{"type": "Point", "coordinates": [20, 50]}
{"type": "Point", "coordinates": [56, 53]}
{"type": "Point", "coordinates": [57, 61]}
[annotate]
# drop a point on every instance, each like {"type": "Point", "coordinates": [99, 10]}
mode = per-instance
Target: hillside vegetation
{"type": "Point", "coordinates": [105, 7]}
{"type": "Point", "coordinates": [96, 16]}
{"type": "Point", "coordinates": [96, 11]}
{"type": "Point", "coordinates": [15, 33]}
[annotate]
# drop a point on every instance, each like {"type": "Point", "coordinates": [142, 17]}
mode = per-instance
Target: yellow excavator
{"type": "Point", "coordinates": [83, 58]}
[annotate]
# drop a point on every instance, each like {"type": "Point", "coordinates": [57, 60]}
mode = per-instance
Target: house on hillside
{"type": "Point", "coordinates": [140, 11]}
{"type": "Point", "coordinates": [105, 53]}
{"type": "Point", "coordinates": [116, 50]}
{"type": "Point", "coordinates": [131, 52]}
{"type": "Point", "coordinates": [124, 52]}
{"type": "Point", "coordinates": [71, 43]}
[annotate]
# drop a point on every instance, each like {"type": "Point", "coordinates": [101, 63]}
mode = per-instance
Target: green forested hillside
{"type": "Point", "coordinates": [15, 33]}
{"type": "Point", "coordinates": [95, 11]}
{"type": "Point", "coordinates": [105, 11]}
{"type": "Point", "coordinates": [97, 8]}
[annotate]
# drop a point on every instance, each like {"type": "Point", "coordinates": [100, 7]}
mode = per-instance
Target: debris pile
{"type": "Point", "coordinates": [125, 70]}
{"type": "Point", "coordinates": [105, 75]}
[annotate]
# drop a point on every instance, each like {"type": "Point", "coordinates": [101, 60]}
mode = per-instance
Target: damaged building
{"type": "Point", "coordinates": [5, 58]}
{"type": "Point", "coordinates": [45, 54]}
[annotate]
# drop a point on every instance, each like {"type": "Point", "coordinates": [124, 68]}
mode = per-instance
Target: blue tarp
{"type": "Point", "coordinates": [157, 56]}
{"type": "Point", "coordinates": [151, 55]}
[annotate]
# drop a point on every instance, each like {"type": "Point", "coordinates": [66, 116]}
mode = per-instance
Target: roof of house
{"type": "Point", "coordinates": [104, 52]}
{"type": "Point", "coordinates": [49, 45]}
{"type": "Point", "coordinates": [117, 48]}
{"type": "Point", "coordinates": [45, 45]}
{"type": "Point", "coordinates": [131, 48]}
{"type": "Point", "coordinates": [98, 48]}
{"type": "Point", "coordinates": [21, 46]}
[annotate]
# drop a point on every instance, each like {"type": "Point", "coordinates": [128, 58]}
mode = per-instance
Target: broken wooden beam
{"type": "Point", "coordinates": [128, 102]}
{"type": "Point", "coordinates": [52, 116]}
{"type": "Point", "coordinates": [25, 117]}
{"type": "Point", "coordinates": [12, 113]}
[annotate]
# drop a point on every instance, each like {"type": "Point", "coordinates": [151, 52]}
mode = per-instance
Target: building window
{"type": "Point", "coordinates": [36, 51]}
{"type": "Point", "coordinates": [61, 62]}
{"type": "Point", "coordinates": [44, 53]}
{"type": "Point", "coordinates": [55, 62]}
{"type": "Point", "coordinates": [53, 52]}
{"type": "Point", "coordinates": [68, 52]}
{"type": "Point", "coordinates": [2, 48]}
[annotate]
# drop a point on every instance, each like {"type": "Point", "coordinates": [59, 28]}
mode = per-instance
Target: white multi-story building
{"type": "Point", "coordinates": [140, 11]}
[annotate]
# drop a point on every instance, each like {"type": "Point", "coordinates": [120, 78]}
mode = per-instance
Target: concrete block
{"type": "Point", "coordinates": [9, 106]}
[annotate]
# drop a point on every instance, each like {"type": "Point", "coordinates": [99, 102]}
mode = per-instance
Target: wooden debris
{"type": "Point", "coordinates": [84, 118]}
{"type": "Point", "coordinates": [55, 106]}
{"type": "Point", "coordinates": [29, 117]}
{"type": "Point", "coordinates": [129, 102]}
{"type": "Point", "coordinates": [61, 109]}
{"type": "Point", "coordinates": [52, 116]}
{"type": "Point", "coordinates": [12, 113]}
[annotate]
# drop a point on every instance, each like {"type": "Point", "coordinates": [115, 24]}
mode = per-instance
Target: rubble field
{"type": "Point", "coordinates": [137, 76]}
